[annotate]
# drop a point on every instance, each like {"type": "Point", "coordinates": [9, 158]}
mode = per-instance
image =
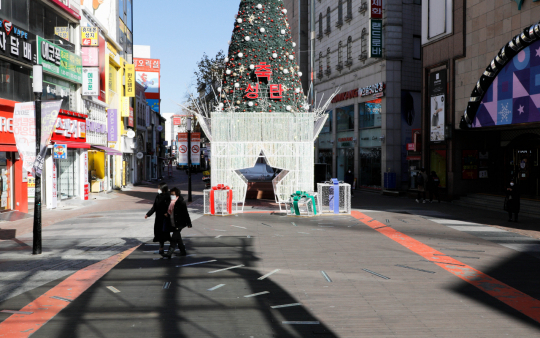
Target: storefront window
{"type": "Point", "coordinates": [325, 156]}
{"type": "Point", "coordinates": [327, 128]}
{"type": "Point", "coordinates": [5, 181]}
{"type": "Point", "coordinates": [345, 153]}
{"type": "Point", "coordinates": [57, 89]}
{"type": "Point", "coordinates": [345, 118]}
{"type": "Point", "coordinates": [68, 178]}
{"type": "Point", "coordinates": [370, 114]}
{"type": "Point", "coordinates": [15, 82]}
{"type": "Point", "coordinates": [370, 168]}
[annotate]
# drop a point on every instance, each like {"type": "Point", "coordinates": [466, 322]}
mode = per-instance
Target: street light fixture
{"type": "Point", "coordinates": [37, 84]}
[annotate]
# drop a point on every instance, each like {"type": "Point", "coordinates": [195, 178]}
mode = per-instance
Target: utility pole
{"type": "Point", "coordinates": [37, 75]}
{"type": "Point", "coordinates": [312, 52]}
{"type": "Point", "coordinates": [190, 199]}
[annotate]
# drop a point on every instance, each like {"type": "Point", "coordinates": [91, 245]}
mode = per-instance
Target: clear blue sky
{"type": "Point", "coordinates": [179, 32]}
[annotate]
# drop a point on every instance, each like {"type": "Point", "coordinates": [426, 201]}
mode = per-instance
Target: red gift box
{"type": "Point", "coordinates": [229, 198]}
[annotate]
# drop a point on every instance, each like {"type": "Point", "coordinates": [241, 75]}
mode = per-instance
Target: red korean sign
{"type": "Point", "coordinates": [375, 9]}
{"type": "Point", "coordinates": [411, 147]}
{"type": "Point", "coordinates": [264, 71]}
{"type": "Point", "coordinates": [6, 128]}
{"type": "Point", "coordinates": [177, 120]}
{"type": "Point", "coordinates": [147, 65]}
{"type": "Point", "coordinates": [130, 119]}
{"type": "Point", "coordinates": [69, 128]}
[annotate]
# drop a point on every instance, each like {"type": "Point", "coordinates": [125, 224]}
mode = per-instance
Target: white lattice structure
{"type": "Point", "coordinates": [286, 140]}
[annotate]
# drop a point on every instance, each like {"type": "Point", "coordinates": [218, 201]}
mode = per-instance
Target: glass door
{"type": "Point", "coordinates": [68, 176]}
{"type": "Point", "coordinates": [6, 192]}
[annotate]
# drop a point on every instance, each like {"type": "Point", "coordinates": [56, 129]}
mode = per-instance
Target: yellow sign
{"type": "Point", "coordinates": [62, 32]}
{"type": "Point", "coordinates": [89, 36]}
{"type": "Point", "coordinates": [130, 80]}
{"type": "Point", "coordinates": [125, 107]}
{"type": "Point", "coordinates": [111, 48]}
{"type": "Point", "coordinates": [124, 173]}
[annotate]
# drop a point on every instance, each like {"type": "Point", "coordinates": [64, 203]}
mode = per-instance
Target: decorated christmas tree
{"type": "Point", "coordinates": [261, 74]}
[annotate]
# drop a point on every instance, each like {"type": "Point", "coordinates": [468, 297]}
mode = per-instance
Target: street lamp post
{"type": "Point", "coordinates": [190, 199]}
{"type": "Point", "coordinates": [37, 83]}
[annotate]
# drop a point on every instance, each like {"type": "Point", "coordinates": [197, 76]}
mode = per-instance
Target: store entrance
{"type": "Point", "coordinates": [521, 160]}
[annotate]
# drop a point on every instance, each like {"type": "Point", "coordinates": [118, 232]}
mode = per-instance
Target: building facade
{"type": "Point", "coordinates": [371, 54]}
{"type": "Point", "coordinates": [486, 131]}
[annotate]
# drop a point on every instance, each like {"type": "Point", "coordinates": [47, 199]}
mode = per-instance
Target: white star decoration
{"type": "Point", "coordinates": [520, 109]}
{"type": "Point", "coordinates": [242, 69]}
{"type": "Point", "coordinates": [251, 18]}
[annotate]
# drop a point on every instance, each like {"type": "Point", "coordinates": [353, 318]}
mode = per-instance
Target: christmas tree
{"type": "Point", "coordinates": [261, 74]}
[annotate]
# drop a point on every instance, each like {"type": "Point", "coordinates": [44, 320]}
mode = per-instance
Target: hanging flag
{"type": "Point", "coordinates": [24, 130]}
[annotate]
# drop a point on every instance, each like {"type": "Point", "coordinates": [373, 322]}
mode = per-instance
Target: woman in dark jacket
{"type": "Point", "coordinates": [162, 222]}
{"type": "Point", "coordinates": [180, 219]}
{"type": "Point", "coordinates": [512, 201]}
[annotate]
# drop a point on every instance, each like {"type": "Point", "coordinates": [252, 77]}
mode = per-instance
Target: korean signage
{"type": "Point", "coordinates": [130, 118]}
{"type": "Point", "coordinates": [375, 38]}
{"type": "Point", "coordinates": [89, 36]}
{"type": "Point", "coordinates": [17, 44]}
{"type": "Point", "coordinates": [70, 128]}
{"type": "Point", "coordinates": [112, 125]}
{"type": "Point", "coordinates": [148, 75]}
{"type": "Point", "coordinates": [96, 127]}
{"type": "Point", "coordinates": [6, 128]}
{"type": "Point", "coordinates": [437, 103]}
{"type": "Point", "coordinates": [177, 120]}
{"type": "Point", "coordinates": [90, 81]}
{"type": "Point", "coordinates": [85, 169]}
{"type": "Point", "coordinates": [264, 71]}
{"type": "Point", "coordinates": [196, 148]}
{"type": "Point", "coordinates": [90, 56]}
{"type": "Point", "coordinates": [58, 61]}
{"type": "Point", "coordinates": [62, 32]}
{"type": "Point", "coordinates": [130, 80]}
{"type": "Point", "coordinates": [375, 9]}
{"type": "Point", "coordinates": [373, 89]}
{"type": "Point", "coordinates": [60, 151]}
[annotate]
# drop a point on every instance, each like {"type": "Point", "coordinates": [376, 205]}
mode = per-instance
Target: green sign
{"type": "Point", "coordinates": [375, 41]}
{"type": "Point", "coordinates": [58, 61]}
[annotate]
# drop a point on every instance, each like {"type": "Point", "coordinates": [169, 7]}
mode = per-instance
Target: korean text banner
{"type": "Point", "coordinates": [130, 80]}
{"type": "Point", "coordinates": [24, 129]}
{"type": "Point", "coordinates": [112, 124]}
{"type": "Point", "coordinates": [17, 44]}
{"type": "Point", "coordinates": [58, 61]}
{"type": "Point", "coordinates": [90, 81]}
{"type": "Point", "coordinates": [148, 75]}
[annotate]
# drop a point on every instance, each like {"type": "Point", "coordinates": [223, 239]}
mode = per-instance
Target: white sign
{"type": "Point", "coordinates": [54, 186]}
{"type": "Point", "coordinates": [140, 155]}
{"type": "Point", "coordinates": [90, 81]}
{"type": "Point", "coordinates": [130, 133]}
{"type": "Point", "coordinates": [373, 89]}
{"type": "Point", "coordinates": [70, 128]}
{"type": "Point", "coordinates": [25, 133]}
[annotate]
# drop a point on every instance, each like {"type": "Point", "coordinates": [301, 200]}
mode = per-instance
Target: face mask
{"type": "Point", "coordinates": [159, 191]}
{"type": "Point", "coordinates": [511, 184]}
{"type": "Point", "coordinates": [174, 197]}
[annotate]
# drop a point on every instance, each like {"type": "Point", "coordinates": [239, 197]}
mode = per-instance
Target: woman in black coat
{"type": "Point", "coordinates": [512, 201]}
{"type": "Point", "coordinates": [180, 219]}
{"type": "Point", "coordinates": [162, 222]}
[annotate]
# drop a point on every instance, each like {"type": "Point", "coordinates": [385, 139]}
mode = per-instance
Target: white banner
{"type": "Point", "coordinates": [90, 81]}
{"type": "Point", "coordinates": [182, 149]}
{"type": "Point", "coordinates": [24, 130]}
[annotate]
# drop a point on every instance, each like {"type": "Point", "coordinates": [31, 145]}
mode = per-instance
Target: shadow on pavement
{"type": "Point", "coordinates": [147, 306]}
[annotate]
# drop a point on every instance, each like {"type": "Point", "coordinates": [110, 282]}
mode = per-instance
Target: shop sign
{"type": "Point", "coordinates": [130, 80]}
{"type": "Point", "coordinates": [65, 5]}
{"type": "Point", "coordinates": [70, 128]}
{"type": "Point", "coordinates": [375, 9]}
{"type": "Point", "coordinates": [370, 138]}
{"type": "Point", "coordinates": [89, 36]}
{"type": "Point", "coordinates": [90, 82]}
{"type": "Point", "coordinates": [96, 127]}
{"type": "Point", "coordinates": [54, 189]}
{"type": "Point", "coordinates": [130, 118]}
{"type": "Point", "coordinates": [375, 39]}
{"type": "Point", "coordinates": [62, 32]}
{"type": "Point", "coordinates": [58, 61]}
{"type": "Point", "coordinates": [437, 93]}
{"type": "Point", "coordinates": [345, 96]}
{"type": "Point", "coordinates": [177, 120]}
{"type": "Point", "coordinates": [373, 89]}
{"type": "Point", "coordinates": [17, 44]}
{"type": "Point", "coordinates": [90, 56]}
{"type": "Point", "coordinates": [85, 170]}
{"type": "Point", "coordinates": [125, 107]}
{"type": "Point", "coordinates": [112, 124]}
{"type": "Point", "coordinates": [411, 147]}
{"type": "Point", "coordinates": [6, 128]}
{"type": "Point", "coordinates": [60, 151]}
{"type": "Point", "coordinates": [140, 155]}
{"type": "Point", "coordinates": [346, 142]}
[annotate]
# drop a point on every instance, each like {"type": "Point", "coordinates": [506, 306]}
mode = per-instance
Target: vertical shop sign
{"type": "Point", "coordinates": [130, 118]}
{"type": "Point", "coordinates": [90, 56]}
{"type": "Point", "coordinates": [90, 82]}
{"type": "Point", "coordinates": [54, 186]}
{"type": "Point", "coordinates": [89, 36]}
{"type": "Point", "coordinates": [375, 38]}
{"type": "Point", "coordinates": [112, 125]}
{"type": "Point", "coordinates": [125, 107]}
{"type": "Point", "coordinates": [130, 80]}
{"type": "Point", "coordinates": [102, 75]}
{"type": "Point", "coordinates": [437, 93]}
{"type": "Point", "coordinates": [85, 175]}
{"type": "Point", "coordinates": [375, 9]}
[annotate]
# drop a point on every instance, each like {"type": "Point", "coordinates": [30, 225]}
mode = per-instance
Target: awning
{"type": "Point", "coordinates": [74, 145]}
{"type": "Point", "coordinates": [8, 147]}
{"type": "Point", "coordinates": [108, 151]}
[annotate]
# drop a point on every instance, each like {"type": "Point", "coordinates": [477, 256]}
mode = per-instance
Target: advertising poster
{"type": "Point", "coordinates": [147, 73]}
{"type": "Point", "coordinates": [60, 151]}
{"type": "Point", "coordinates": [154, 104]}
{"type": "Point", "coordinates": [437, 93]}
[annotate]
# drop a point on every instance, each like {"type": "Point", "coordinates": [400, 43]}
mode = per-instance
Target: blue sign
{"type": "Point", "coordinates": [154, 104]}
{"type": "Point", "coordinates": [60, 151]}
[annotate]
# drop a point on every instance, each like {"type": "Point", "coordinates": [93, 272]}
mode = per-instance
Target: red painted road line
{"type": "Point", "coordinates": [45, 308]}
{"type": "Point", "coordinates": [514, 298]}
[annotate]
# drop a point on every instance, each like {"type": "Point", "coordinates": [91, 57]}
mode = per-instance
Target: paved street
{"type": "Point", "coordinates": [393, 268]}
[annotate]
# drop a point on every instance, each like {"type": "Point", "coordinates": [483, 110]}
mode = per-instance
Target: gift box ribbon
{"type": "Point", "coordinates": [334, 196]}
{"type": "Point", "coordinates": [296, 197]}
{"type": "Point", "coordinates": [229, 198]}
